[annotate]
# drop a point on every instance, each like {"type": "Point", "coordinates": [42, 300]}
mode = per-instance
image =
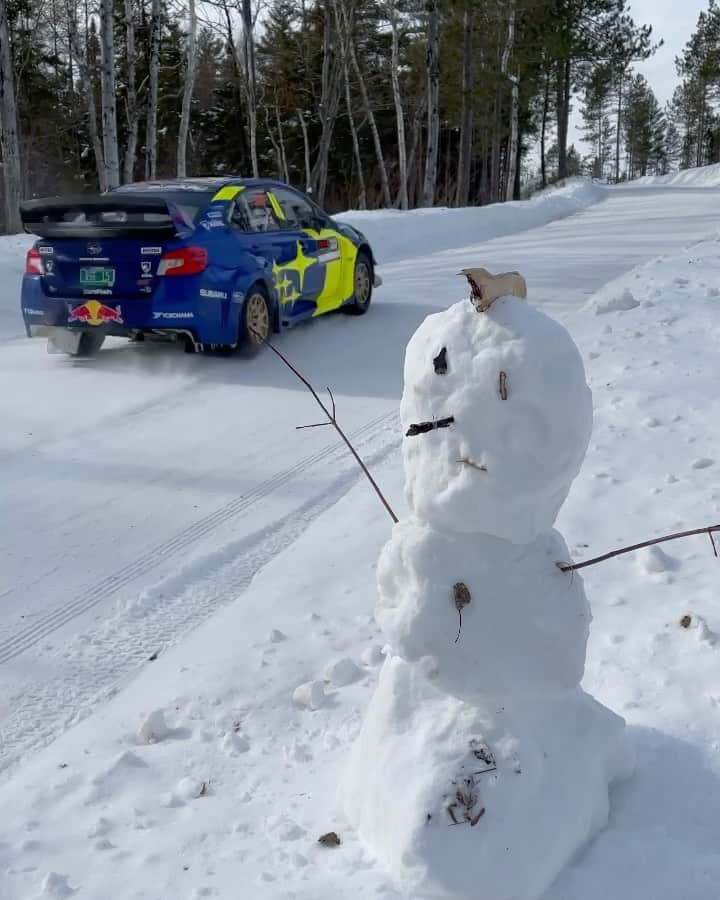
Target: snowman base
{"type": "Point", "coordinates": [491, 800]}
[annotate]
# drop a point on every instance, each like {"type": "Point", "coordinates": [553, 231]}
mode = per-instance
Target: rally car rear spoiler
{"type": "Point", "coordinates": [102, 216]}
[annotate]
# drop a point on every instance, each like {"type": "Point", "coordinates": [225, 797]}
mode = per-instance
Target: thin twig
{"type": "Point", "coordinates": [473, 465]}
{"type": "Point", "coordinates": [331, 421]}
{"type": "Point", "coordinates": [709, 529]}
{"type": "Point", "coordinates": [460, 628]}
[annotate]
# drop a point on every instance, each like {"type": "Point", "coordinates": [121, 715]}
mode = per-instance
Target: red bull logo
{"type": "Point", "coordinates": [95, 313]}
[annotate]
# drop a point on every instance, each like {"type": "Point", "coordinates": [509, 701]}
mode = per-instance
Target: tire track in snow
{"type": "Point", "coordinates": [27, 637]}
{"type": "Point", "coordinates": [119, 647]}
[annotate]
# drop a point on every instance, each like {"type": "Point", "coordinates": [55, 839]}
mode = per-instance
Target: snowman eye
{"type": "Point", "coordinates": [440, 362]}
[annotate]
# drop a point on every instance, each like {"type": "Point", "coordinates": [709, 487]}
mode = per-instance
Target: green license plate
{"type": "Point", "coordinates": [97, 276]}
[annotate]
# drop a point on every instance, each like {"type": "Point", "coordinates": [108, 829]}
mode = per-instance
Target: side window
{"type": "Point", "coordinates": [253, 211]}
{"type": "Point", "coordinates": [298, 211]}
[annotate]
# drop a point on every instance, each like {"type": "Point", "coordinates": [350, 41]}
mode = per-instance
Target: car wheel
{"type": "Point", "coordinates": [90, 343]}
{"type": "Point", "coordinates": [363, 284]}
{"type": "Point", "coordinates": [255, 324]}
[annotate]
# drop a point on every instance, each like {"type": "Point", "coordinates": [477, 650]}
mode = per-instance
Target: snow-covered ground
{"type": "Point", "coordinates": [149, 496]}
{"type": "Point", "coordinates": [707, 176]}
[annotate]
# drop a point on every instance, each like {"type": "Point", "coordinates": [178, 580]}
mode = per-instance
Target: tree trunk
{"type": "Point", "coordinates": [433, 129]}
{"type": "Point", "coordinates": [281, 138]}
{"type": "Point", "coordinates": [275, 144]}
{"type": "Point", "coordinates": [415, 139]}
{"type": "Point", "coordinates": [88, 87]}
{"type": "Point", "coordinates": [618, 126]}
{"type": "Point", "coordinates": [513, 164]}
{"type": "Point", "coordinates": [385, 186]}
{"type": "Point", "coordinates": [188, 86]}
{"type": "Point", "coordinates": [306, 145]}
{"type": "Point", "coordinates": [466, 119]}
{"type": "Point", "coordinates": [700, 156]}
{"type": "Point", "coordinates": [240, 82]}
{"type": "Point", "coordinates": [564, 71]}
{"type": "Point", "coordinates": [109, 104]}
{"type": "Point", "coordinates": [151, 136]}
{"type": "Point", "coordinates": [9, 140]}
{"type": "Point", "coordinates": [512, 152]}
{"type": "Point", "coordinates": [328, 109]}
{"type": "Point", "coordinates": [543, 130]}
{"type": "Point", "coordinates": [496, 149]}
{"type": "Point", "coordinates": [397, 101]}
{"type": "Point", "coordinates": [250, 82]}
{"type": "Point", "coordinates": [132, 106]}
{"type": "Point", "coordinates": [362, 200]}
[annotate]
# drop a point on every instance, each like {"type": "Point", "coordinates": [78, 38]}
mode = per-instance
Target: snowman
{"type": "Point", "coordinates": [482, 767]}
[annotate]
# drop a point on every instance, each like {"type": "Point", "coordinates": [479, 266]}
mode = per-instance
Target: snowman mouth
{"type": "Point", "coordinates": [425, 427]}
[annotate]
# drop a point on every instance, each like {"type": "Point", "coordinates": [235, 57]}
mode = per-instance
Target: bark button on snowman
{"type": "Point", "coordinates": [481, 764]}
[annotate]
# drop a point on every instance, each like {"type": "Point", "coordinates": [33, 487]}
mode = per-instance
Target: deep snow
{"type": "Point", "coordinates": [135, 505]}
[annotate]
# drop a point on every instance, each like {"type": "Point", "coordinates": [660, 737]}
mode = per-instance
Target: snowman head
{"type": "Point", "coordinates": [497, 416]}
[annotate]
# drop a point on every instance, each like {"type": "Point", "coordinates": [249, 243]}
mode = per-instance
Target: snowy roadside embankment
{"type": "Point", "coordinates": [705, 176]}
{"type": "Point", "coordinates": [236, 781]}
{"type": "Point", "coordinates": [396, 235]}
{"type": "Point", "coordinates": [13, 249]}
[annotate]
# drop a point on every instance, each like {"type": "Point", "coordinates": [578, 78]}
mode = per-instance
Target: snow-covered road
{"type": "Point", "coordinates": [130, 477]}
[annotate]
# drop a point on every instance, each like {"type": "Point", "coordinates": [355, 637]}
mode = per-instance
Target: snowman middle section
{"type": "Point", "coordinates": [523, 632]}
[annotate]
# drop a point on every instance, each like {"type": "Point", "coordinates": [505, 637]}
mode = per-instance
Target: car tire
{"type": "Point", "coordinates": [363, 284]}
{"type": "Point", "coordinates": [90, 344]}
{"type": "Point", "coordinates": [255, 322]}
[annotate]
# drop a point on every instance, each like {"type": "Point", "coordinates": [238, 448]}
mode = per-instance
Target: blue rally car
{"type": "Point", "coordinates": [217, 262]}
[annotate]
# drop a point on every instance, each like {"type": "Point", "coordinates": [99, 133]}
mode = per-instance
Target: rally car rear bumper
{"type": "Point", "coordinates": [211, 316]}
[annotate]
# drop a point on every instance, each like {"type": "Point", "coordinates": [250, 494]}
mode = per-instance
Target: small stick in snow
{"type": "Point", "coordinates": [473, 465]}
{"type": "Point", "coordinates": [503, 386]}
{"type": "Point", "coordinates": [424, 427]}
{"type": "Point", "coordinates": [332, 420]}
{"type": "Point", "coordinates": [708, 529]}
{"type": "Point", "coordinates": [462, 598]}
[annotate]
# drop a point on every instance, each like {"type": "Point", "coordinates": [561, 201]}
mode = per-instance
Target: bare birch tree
{"type": "Point", "coordinates": [433, 112]}
{"type": "Point", "coordinates": [393, 18]}
{"type": "Point", "coordinates": [360, 78]}
{"type": "Point", "coordinates": [188, 87]}
{"type": "Point", "coordinates": [109, 103]}
{"type": "Point", "coordinates": [9, 140]}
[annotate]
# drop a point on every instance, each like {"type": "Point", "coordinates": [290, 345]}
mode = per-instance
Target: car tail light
{"type": "Point", "coordinates": [183, 261]}
{"type": "Point", "coordinates": [34, 262]}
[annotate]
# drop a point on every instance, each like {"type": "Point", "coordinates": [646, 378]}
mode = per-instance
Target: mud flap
{"type": "Point", "coordinates": [62, 340]}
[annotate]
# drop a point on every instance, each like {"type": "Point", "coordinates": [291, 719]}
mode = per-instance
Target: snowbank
{"type": "Point", "coordinates": [396, 235]}
{"type": "Point", "coordinates": [13, 249]}
{"type": "Point", "coordinates": [705, 176]}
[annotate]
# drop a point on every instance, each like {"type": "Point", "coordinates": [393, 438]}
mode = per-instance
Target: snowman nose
{"type": "Point", "coordinates": [425, 427]}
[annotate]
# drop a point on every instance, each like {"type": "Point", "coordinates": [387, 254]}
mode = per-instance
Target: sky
{"type": "Point", "coordinates": [674, 21]}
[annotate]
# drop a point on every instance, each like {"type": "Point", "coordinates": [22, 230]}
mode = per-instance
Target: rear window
{"type": "Point", "coordinates": [190, 203]}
